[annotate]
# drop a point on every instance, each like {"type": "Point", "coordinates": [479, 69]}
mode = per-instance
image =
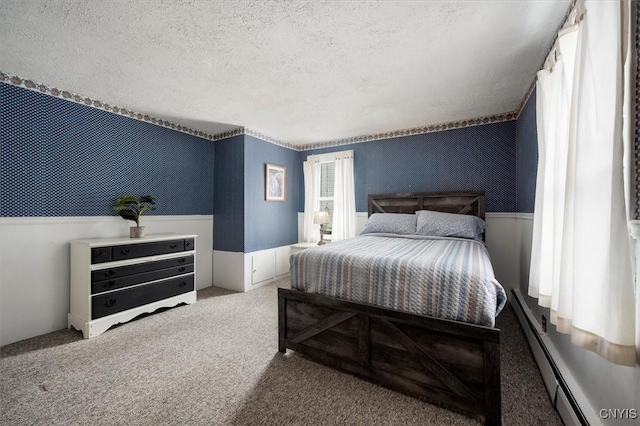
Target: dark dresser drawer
{"type": "Point", "coordinates": [122, 271]}
{"type": "Point", "coordinates": [129, 280]}
{"type": "Point", "coordinates": [101, 254]}
{"type": "Point", "coordinates": [132, 251]}
{"type": "Point", "coordinates": [189, 244]}
{"type": "Point", "coordinates": [122, 300]}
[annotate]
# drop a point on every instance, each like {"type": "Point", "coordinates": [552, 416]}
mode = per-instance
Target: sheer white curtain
{"type": "Point", "coordinates": [311, 169]}
{"type": "Point", "coordinates": [630, 59]}
{"type": "Point", "coordinates": [581, 258]}
{"type": "Point", "coordinates": [344, 198]}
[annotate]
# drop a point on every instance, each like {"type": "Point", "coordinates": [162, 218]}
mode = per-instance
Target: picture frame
{"type": "Point", "coordinates": [275, 182]}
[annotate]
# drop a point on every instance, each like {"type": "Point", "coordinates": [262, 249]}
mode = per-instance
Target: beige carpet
{"type": "Point", "coordinates": [216, 363]}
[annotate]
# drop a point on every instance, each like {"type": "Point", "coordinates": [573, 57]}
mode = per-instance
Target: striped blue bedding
{"type": "Point", "coordinates": [450, 278]}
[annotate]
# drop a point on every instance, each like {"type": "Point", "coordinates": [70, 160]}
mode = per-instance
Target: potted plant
{"type": "Point", "coordinates": [131, 208]}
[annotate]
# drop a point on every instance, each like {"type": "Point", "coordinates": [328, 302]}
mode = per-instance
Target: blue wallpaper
{"type": "Point", "coordinates": [269, 223]}
{"type": "Point", "coordinates": [244, 221]}
{"type": "Point", "coordinates": [472, 158]}
{"type": "Point", "coordinates": [61, 158]}
{"type": "Point", "coordinates": [527, 155]}
{"type": "Point", "coordinates": [637, 129]}
{"type": "Point", "coordinates": [228, 223]}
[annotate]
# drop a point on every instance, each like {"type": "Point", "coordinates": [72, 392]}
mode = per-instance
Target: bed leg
{"type": "Point", "coordinates": [492, 389]}
{"type": "Point", "coordinates": [282, 324]}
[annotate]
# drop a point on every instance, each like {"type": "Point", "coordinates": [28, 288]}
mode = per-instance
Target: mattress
{"type": "Point", "coordinates": [449, 278]}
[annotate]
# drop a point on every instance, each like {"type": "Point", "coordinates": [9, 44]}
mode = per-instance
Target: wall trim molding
{"type": "Point", "coordinates": [510, 215]}
{"type": "Point", "coordinates": [58, 220]}
{"type": "Point", "coordinates": [433, 128]}
{"type": "Point", "coordinates": [114, 109]}
{"type": "Point", "coordinates": [524, 101]}
{"type": "Point", "coordinates": [634, 229]}
{"type": "Point", "coordinates": [524, 216]}
{"type": "Point", "coordinates": [501, 215]}
{"type": "Point", "coordinates": [535, 78]}
{"type": "Point", "coordinates": [270, 139]}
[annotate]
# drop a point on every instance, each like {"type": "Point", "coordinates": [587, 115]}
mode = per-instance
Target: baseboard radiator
{"type": "Point", "coordinates": [571, 403]}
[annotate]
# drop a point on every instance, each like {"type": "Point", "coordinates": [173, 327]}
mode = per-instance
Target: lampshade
{"type": "Point", "coordinates": [321, 217]}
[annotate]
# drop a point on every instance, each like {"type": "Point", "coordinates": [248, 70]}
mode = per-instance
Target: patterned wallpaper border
{"type": "Point", "coordinates": [269, 139]}
{"type": "Point", "coordinates": [509, 116]}
{"type": "Point", "coordinates": [74, 97]}
{"type": "Point", "coordinates": [553, 42]}
{"type": "Point", "coordinates": [85, 100]}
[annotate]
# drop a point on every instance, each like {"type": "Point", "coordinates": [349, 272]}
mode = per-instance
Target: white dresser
{"type": "Point", "coordinates": [113, 280]}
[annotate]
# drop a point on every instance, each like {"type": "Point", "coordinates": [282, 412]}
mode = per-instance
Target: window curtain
{"type": "Point", "coordinates": [344, 198]}
{"type": "Point", "coordinates": [311, 169]}
{"type": "Point", "coordinates": [581, 253]}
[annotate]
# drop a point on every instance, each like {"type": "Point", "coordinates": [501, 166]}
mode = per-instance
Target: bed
{"type": "Point", "coordinates": [449, 356]}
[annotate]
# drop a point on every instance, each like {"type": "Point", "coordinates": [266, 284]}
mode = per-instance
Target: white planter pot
{"type": "Point", "coordinates": [136, 232]}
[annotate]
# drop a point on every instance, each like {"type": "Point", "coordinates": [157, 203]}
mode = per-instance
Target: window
{"type": "Point", "coordinates": [327, 180]}
{"type": "Point", "coordinates": [329, 186]}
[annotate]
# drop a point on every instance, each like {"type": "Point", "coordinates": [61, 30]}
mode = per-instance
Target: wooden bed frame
{"type": "Point", "coordinates": [450, 363]}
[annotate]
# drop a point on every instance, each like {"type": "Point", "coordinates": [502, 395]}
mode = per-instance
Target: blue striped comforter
{"type": "Point", "coordinates": [448, 278]}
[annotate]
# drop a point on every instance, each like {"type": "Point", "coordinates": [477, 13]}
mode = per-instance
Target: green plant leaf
{"type": "Point", "coordinates": [129, 215]}
{"type": "Point", "coordinates": [126, 202]}
{"type": "Point", "coordinates": [130, 207]}
{"type": "Point", "coordinates": [127, 199]}
{"type": "Point", "coordinates": [147, 199]}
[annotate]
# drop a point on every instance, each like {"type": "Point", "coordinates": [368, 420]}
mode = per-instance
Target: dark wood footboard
{"type": "Point", "coordinates": [453, 364]}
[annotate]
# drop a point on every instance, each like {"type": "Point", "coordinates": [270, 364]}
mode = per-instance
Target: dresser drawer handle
{"type": "Point", "coordinates": [182, 269]}
{"type": "Point", "coordinates": [109, 284]}
{"type": "Point", "coordinates": [182, 284]}
{"type": "Point", "coordinates": [187, 244]}
{"type": "Point", "coordinates": [110, 303]}
{"type": "Point", "coordinates": [125, 251]}
{"type": "Point", "coordinates": [109, 273]}
{"type": "Point", "coordinates": [172, 246]}
{"type": "Point", "coordinates": [182, 260]}
{"type": "Point", "coordinates": [102, 253]}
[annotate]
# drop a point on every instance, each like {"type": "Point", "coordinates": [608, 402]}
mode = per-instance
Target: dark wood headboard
{"type": "Point", "coordinates": [410, 202]}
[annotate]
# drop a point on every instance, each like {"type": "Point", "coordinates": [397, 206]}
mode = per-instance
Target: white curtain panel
{"type": "Point", "coordinates": [581, 255]}
{"type": "Point", "coordinates": [311, 169]}
{"type": "Point", "coordinates": [629, 58]}
{"type": "Point", "coordinates": [344, 198]}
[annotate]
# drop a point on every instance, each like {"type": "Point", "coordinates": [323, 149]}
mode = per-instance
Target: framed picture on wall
{"type": "Point", "coordinates": [275, 182]}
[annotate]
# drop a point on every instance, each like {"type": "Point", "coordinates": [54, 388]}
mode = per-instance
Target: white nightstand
{"type": "Point", "coordinates": [295, 248]}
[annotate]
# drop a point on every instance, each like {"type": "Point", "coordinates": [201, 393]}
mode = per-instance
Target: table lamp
{"type": "Point", "coordinates": [321, 218]}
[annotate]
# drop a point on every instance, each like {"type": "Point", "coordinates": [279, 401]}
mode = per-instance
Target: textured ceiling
{"type": "Point", "coordinates": [297, 71]}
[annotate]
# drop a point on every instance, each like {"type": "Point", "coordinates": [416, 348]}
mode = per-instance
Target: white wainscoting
{"type": "Point", "coordinates": [34, 264]}
{"type": "Point", "coordinates": [245, 271]}
{"type": "Point", "coordinates": [525, 234]}
{"type": "Point", "coordinates": [361, 219]}
{"type": "Point", "coordinates": [501, 236]}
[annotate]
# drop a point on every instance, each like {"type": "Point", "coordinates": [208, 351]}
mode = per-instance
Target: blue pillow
{"type": "Point", "coordinates": [440, 224]}
{"type": "Point", "coordinates": [390, 223]}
